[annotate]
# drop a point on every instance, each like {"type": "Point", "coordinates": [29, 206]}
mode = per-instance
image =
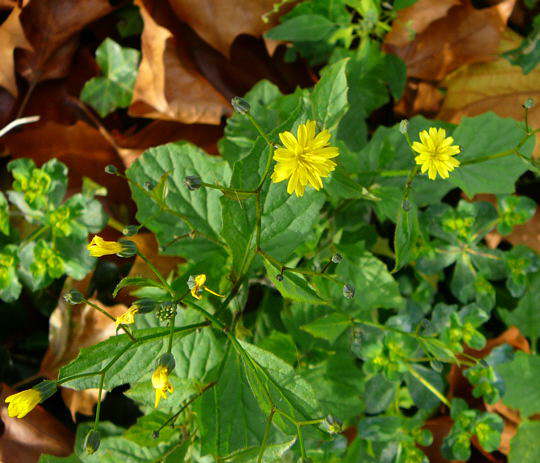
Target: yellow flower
{"type": "Point", "coordinates": [161, 383]}
{"type": "Point", "coordinates": [22, 403]}
{"type": "Point", "coordinates": [436, 153]}
{"type": "Point", "coordinates": [128, 317]}
{"type": "Point", "coordinates": [99, 247]}
{"type": "Point", "coordinates": [305, 159]}
{"type": "Point", "coordinates": [197, 284]}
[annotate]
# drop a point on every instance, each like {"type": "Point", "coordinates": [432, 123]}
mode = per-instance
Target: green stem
{"type": "Point", "coordinates": [266, 434]}
{"type": "Point", "coordinates": [98, 407]}
{"type": "Point", "coordinates": [230, 190]}
{"type": "Point", "coordinates": [258, 220]}
{"type": "Point", "coordinates": [171, 332]}
{"type": "Point", "coordinates": [428, 385]}
{"type": "Point", "coordinates": [156, 272]}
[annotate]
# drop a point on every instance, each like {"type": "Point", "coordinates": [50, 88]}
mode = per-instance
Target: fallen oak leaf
{"type": "Point", "coordinates": [168, 85]}
{"type": "Point", "coordinates": [219, 22]}
{"type": "Point", "coordinates": [464, 35]}
{"type": "Point", "coordinates": [12, 36]}
{"type": "Point", "coordinates": [23, 440]}
{"type": "Point", "coordinates": [496, 86]}
{"type": "Point", "coordinates": [52, 27]}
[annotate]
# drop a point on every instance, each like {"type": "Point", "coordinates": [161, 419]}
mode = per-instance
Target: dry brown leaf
{"type": "Point", "coordinates": [416, 18]}
{"type": "Point", "coordinates": [70, 329]}
{"type": "Point", "coordinates": [81, 147]}
{"type": "Point", "coordinates": [419, 98]}
{"type": "Point", "coordinates": [464, 35]}
{"type": "Point", "coordinates": [168, 85]}
{"type": "Point", "coordinates": [7, 4]}
{"type": "Point", "coordinates": [11, 37]}
{"type": "Point", "coordinates": [23, 440]}
{"type": "Point", "coordinates": [219, 22]}
{"type": "Point", "coordinates": [495, 86]}
{"type": "Point", "coordinates": [52, 27]}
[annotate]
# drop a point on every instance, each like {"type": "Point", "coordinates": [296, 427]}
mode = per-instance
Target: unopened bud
{"type": "Point", "coordinates": [167, 360]}
{"type": "Point", "coordinates": [149, 185]}
{"type": "Point", "coordinates": [74, 297]}
{"type": "Point", "coordinates": [110, 169]}
{"type": "Point", "coordinates": [406, 205]}
{"type": "Point", "coordinates": [129, 248]}
{"type": "Point", "coordinates": [529, 103]}
{"type": "Point", "coordinates": [155, 434]}
{"type": "Point", "coordinates": [337, 258]}
{"type": "Point", "coordinates": [348, 291]}
{"type": "Point", "coordinates": [145, 305]}
{"type": "Point", "coordinates": [403, 126]}
{"type": "Point", "coordinates": [130, 230]}
{"type": "Point", "coordinates": [279, 277]}
{"type": "Point", "coordinates": [92, 441]}
{"type": "Point", "coordinates": [333, 425]}
{"type": "Point", "coordinates": [192, 182]}
{"type": "Point", "coordinates": [240, 105]}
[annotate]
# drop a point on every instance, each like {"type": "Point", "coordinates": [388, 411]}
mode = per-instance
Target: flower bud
{"type": "Point", "coordinates": [92, 441]}
{"type": "Point", "coordinates": [155, 434]}
{"type": "Point", "coordinates": [149, 185]}
{"type": "Point", "coordinates": [333, 425]}
{"type": "Point", "coordinates": [130, 230]}
{"type": "Point", "coordinates": [192, 182]}
{"type": "Point", "coordinates": [166, 311]}
{"type": "Point", "coordinates": [73, 297]}
{"type": "Point", "coordinates": [529, 103]}
{"type": "Point", "coordinates": [145, 305]}
{"type": "Point", "coordinates": [337, 258]}
{"type": "Point", "coordinates": [129, 248]}
{"type": "Point", "coordinates": [403, 126]}
{"type": "Point", "coordinates": [279, 277]}
{"type": "Point", "coordinates": [348, 291]}
{"type": "Point", "coordinates": [110, 169]}
{"type": "Point", "coordinates": [167, 360]}
{"type": "Point", "coordinates": [406, 205]}
{"type": "Point", "coordinates": [240, 105]}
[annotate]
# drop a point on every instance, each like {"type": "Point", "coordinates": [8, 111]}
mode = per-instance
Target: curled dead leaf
{"type": "Point", "coordinates": [11, 37]}
{"type": "Point", "coordinates": [464, 35]}
{"type": "Point", "coordinates": [168, 84]}
{"type": "Point", "coordinates": [23, 440]}
{"type": "Point", "coordinates": [219, 22]}
{"type": "Point", "coordinates": [495, 86]}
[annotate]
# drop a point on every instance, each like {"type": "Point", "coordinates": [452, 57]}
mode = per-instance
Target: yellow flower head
{"type": "Point", "coordinates": [99, 247]}
{"type": "Point", "coordinates": [128, 317]}
{"type": "Point", "coordinates": [22, 403]}
{"type": "Point", "coordinates": [435, 153]}
{"type": "Point", "coordinates": [161, 383]}
{"type": "Point", "coordinates": [197, 284]}
{"type": "Point", "coordinates": [305, 159]}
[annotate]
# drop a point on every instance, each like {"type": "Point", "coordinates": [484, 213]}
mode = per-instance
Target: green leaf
{"type": "Point", "coordinates": [136, 281]}
{"type": "Point", "coordinates": [275, 383]}
{"type": "Point", "coordinates": [423, 398]}
{"type": "Point", "coordinates": [133, 360]}
{"type": "Point", "coordinates": [524, 446]}
{"type": "Point", "coordinates": [52, 459]}
{"type": "Point", "coordinates": [230, 418]}
{"type": "Point", "coordinates": [293, 286]}
{"type": "Point", "coordinates": [281, 345]}
{"type": "Point", "coordinates": [521, 377]}
{"type": "Point", "coordinates": [10, 287]}
{"type": "Point", "coordinates": [484, 135]}
{"type": "Point", "coordinates": [305, 28]}
{"type": "Point", "coordinates": [379, 394]}
{"type": "Point", "coordinates": [114, 89]}
{"type": "Point", "coordinates": [527, 54]}
{"type": "Point", "coordinates": [141, 432]}
{"type": "Point", "coordinates": [329, 96]}
{"type": "Point", "coordinates": [406, 235]}
{"type": "Point", "coordinates": [329, 327]}
{"type": "Point", "coordinates": [526, 315]}
{"type": "Point", "coordinates": [514, 210]}
{"type": "Point", "coordinates": [4, 214]}
{"type": "Point", "coordinates": [201, 209]}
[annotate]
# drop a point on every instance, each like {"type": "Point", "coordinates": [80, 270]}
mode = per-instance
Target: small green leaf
{"type": "Point", "coordinates": [115, 88]}
{"type": "Point", "coordinates": [524, 446]}
{"type": "Point", "coordinates": [4, 215]}
{"type": "Point", "coordinates": [406, 235]}
{"type": "Point", "coordinates": [305, 28]}
{"type": "Point", "coordinates": [329, 327]}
